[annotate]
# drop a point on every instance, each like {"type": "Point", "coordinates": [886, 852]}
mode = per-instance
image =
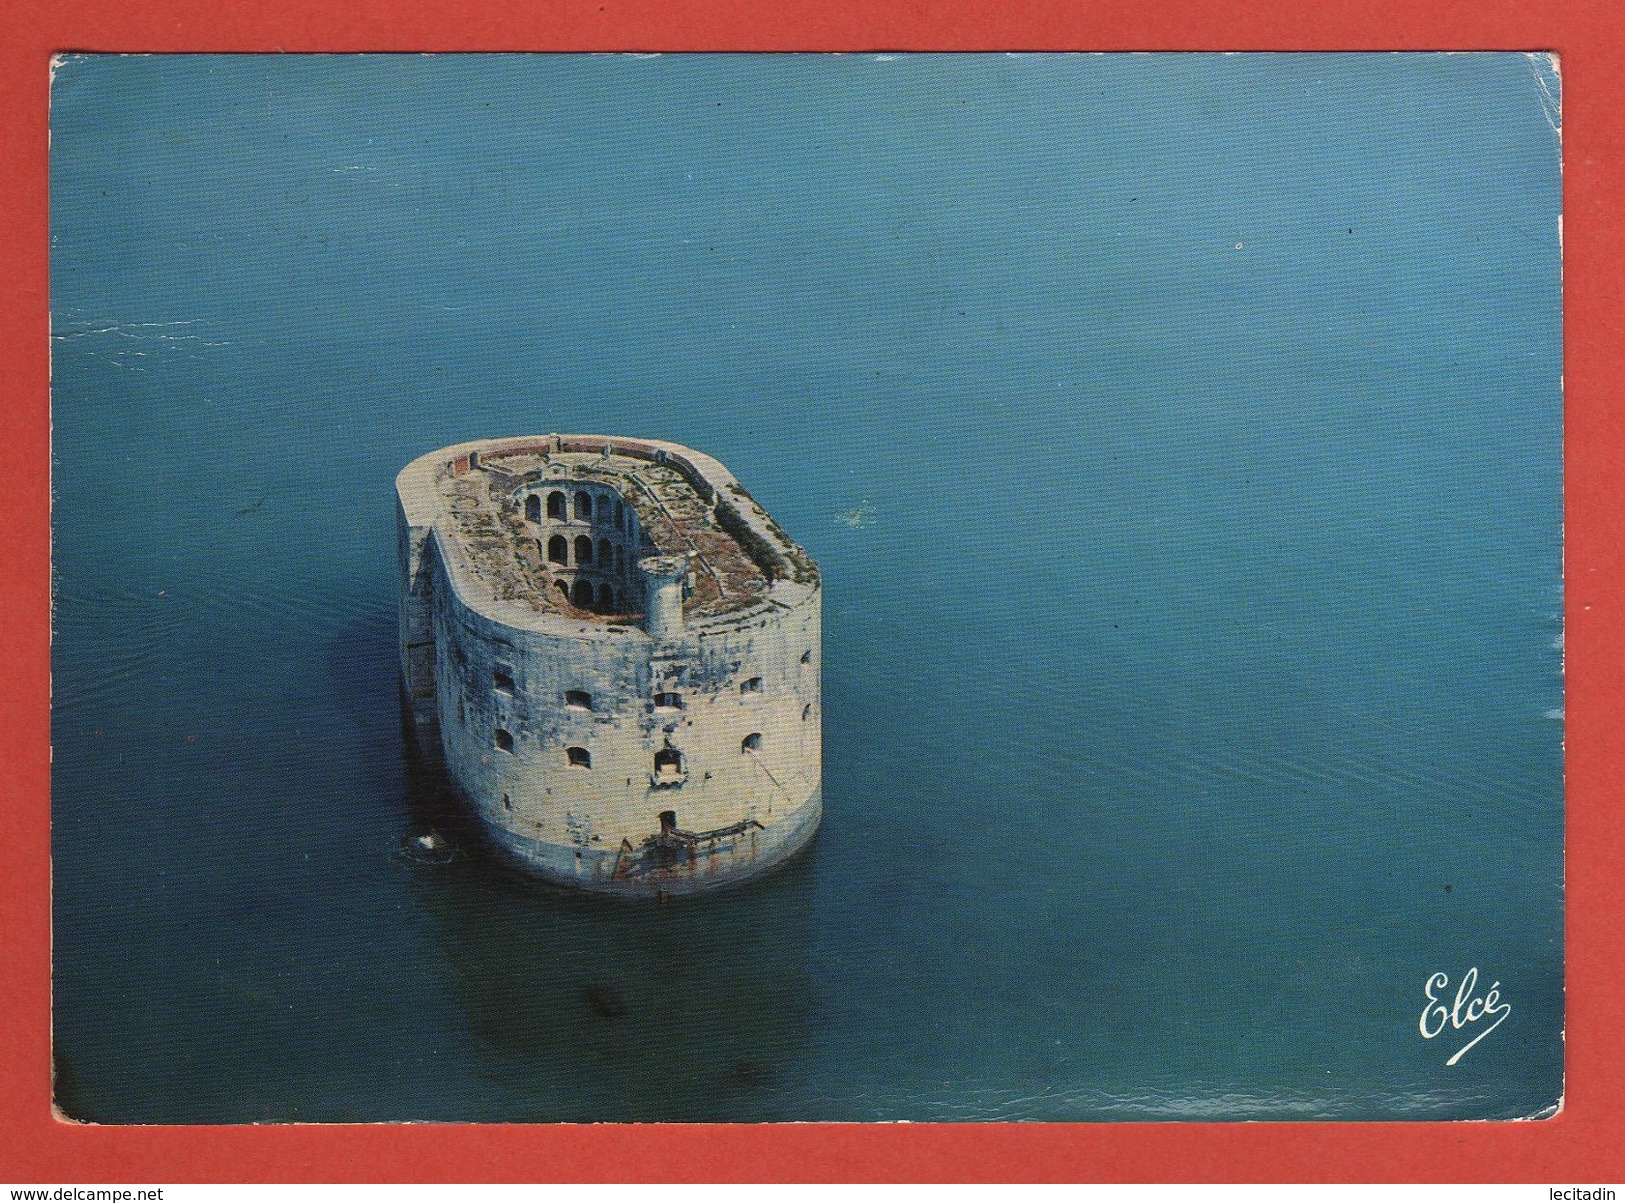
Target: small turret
{"type": "Point", "coordinates": [663, 578]}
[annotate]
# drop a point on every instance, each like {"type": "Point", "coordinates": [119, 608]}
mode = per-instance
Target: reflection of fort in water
{"type": "Point", "coordinates": [613, 654]}
{"type": "Point", "coordinates": [581, 1013]}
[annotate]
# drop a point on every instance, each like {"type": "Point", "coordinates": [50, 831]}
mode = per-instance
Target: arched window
{"type": "Point", "coordinates": [806, 712]}
{"type": "Point", "coordinates": [579, 758]}
{"type": "Point", "coordinates": [583, 505]}
{"type": "Point", "coordinates": [606, 598]}
{"type": "Point", "coordinates": [578, 699]}
{"type": "Point", "coordinates": [558, 549]}
{"type": "Point", "coordinates": [555, 505]}
{"type": "Point", "coordinates": [502, 679]}
{"type": "Point", "coordinates": [564, 589]}
{"type": "Point", "coordinates": [620, 560]}
{"type": "Point", "coordinates": [504, 740]}
{"type": "Point", "coordinates": [668, 763]}
{"type": "Point", "coordinates": [606, 553]}
{"type": "Point", "coordinates": [583, 549]}
{"type": "Point", "coordinates": [668, 701]}
{"type": "Point", "coordinates": [533, 507]}
{"type": "Point", "coordinates": [620, 513]}
{"type": "Point", "coordinates": [754, 685]}
{"type": "Point", "coordinates": [583, 595]}
{"type": "Point", "coordinates": [751, 742]}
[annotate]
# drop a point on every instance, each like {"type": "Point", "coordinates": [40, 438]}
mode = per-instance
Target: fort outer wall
{"type": "Point", "coordinates": [549, 726]}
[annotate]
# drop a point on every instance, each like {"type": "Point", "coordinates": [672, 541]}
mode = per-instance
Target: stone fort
{"type": "Point", "coordinates": [611, 652]}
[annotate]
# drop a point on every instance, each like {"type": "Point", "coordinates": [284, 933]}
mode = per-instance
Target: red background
{"type": "Point", "coordinates": [1586, 1143]}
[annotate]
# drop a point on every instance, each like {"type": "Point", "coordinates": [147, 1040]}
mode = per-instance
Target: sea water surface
{"type": "Point", "coordinates": [1179, 436]}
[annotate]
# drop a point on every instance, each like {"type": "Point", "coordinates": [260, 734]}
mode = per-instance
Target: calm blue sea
{"type": "Point", "coordinates": [1180, 437]}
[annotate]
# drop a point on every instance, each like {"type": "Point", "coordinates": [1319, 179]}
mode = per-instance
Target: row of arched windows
{"type": "Point", "coordinates": [609, 510]}
{"type": "Point", "coordinates": [580, 699]}
{"type": "Point", "coordinates": [576, 699]}
{"type": "Point", "coordinates": [668, 761]}
{"type": "Point", "coordinates": [605, 599]}
{"type": "Point", "coordinates": [604, 553]}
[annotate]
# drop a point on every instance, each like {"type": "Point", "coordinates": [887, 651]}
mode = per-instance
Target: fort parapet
{"type": "Point", "coordinates": [612, 653]}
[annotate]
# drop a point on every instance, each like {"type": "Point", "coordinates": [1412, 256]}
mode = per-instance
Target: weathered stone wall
{"type": "Point", "coordinates": [419, 707]}
{"type": "Point", "coordinates": [496, 678]}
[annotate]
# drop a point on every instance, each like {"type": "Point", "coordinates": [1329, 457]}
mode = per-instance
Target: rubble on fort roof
{"type": "Point", "coordinates": [503, 550]}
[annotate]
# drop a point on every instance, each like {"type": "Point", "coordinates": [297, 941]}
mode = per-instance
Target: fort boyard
{"type": "Point", "coordinates": [611, 652]}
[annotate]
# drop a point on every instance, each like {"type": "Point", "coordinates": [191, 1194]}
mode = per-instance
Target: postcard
{"type": "Point", "coordinates": [807, 587]}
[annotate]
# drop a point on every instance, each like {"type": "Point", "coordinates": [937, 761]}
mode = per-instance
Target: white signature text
{"type": "Point", "coordinates": [1466, 1009]}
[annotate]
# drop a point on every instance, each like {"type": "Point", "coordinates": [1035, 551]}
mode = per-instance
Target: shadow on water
{"type": "Point", "coordinates": [583, 1009]}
